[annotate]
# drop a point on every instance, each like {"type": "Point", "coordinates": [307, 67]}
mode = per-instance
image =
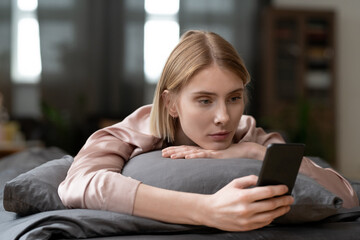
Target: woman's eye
{"type": "Point", "coordinates": [204, 101]}
{"type": "Point", "coordinates": [235, 99]}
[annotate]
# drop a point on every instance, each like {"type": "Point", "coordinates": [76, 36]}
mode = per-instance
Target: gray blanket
{"type": "Point", "coordinates": [82, 223]}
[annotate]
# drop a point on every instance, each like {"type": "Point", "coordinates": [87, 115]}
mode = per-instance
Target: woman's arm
{"type": "Point", "coordinates": [249, 150]}
{"type": "Point", "coordinates": [236, 207]}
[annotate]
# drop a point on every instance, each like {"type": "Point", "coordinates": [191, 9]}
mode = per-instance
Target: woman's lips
{"type": "Point", "coordinates": [220, 136]}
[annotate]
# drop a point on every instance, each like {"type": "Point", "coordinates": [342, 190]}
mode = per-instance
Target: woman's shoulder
{"type": "Point", "coordinates": [248, 131]}
{"type": "Point", "coordinates": [139, 119]}
{"type": "Point", "coordinates": [247, 121]}
{"type": "Point", "coordinates": [141, 112]}
{"type": "Point", "coordinates": [146, 109]}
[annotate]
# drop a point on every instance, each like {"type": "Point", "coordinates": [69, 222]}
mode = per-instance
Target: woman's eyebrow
{"type": "Point", "coordinates": [213, 93]}
{"type": "Point", "coordinates": [203, 93]}
{"type": "Point", "coordinates": [237, 90]}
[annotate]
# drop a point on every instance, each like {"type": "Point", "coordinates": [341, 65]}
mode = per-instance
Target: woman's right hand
{"type": "Point", "coordinates": [236, 207]}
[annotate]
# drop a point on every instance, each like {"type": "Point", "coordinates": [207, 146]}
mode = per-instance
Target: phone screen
{"type": "Point", "coordinates": [281, 165]}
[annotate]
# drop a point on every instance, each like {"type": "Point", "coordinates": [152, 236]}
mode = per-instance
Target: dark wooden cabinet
{"type": "Point", "coordinates": [298, 79]}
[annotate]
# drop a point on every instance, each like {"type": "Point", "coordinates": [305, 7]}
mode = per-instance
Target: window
{"type": "Point", "coordinates": [26, 61]}
{"type": "Point", "coordinates": [161, 34]}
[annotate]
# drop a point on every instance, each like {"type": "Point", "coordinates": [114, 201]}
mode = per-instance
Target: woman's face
{"type": "Point", "coordinates": [209, 109]}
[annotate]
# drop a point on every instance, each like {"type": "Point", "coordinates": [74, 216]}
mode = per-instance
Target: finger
{"type": "Point", "coordinates": [201, 153]}
{"type": "Point", "coordinates": [196, 154]}
{"type": "Point", "coordinates": [178, 149]}
{"type": "Point", "coordinates": [165, 154]}
{"type": "Point", "coordinates": [180, 154]}
{"type": "Point", "coordinates": [189, 153]}
{"type": "Point", "coordinates": [271, 204]}
{"type": "Point", "coordinates": [260, 193]}
{"type": "Point", "coordinates": [245, 182]}
{"type": "Point", "coordinates": [177, 155]}
{"type": "Point", "coordinates": [169, 150]}
{"type": "Point", "coordinates": [172, 151]}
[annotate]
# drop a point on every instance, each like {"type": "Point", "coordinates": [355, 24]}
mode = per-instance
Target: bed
{"type": "Point", "coordinates": [28, 190]}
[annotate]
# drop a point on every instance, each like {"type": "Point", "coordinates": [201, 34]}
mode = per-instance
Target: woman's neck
{"type": "Point", "coordinates": [181, 138]}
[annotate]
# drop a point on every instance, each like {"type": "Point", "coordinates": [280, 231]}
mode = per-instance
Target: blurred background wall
{"type": "Point", "coordinates": [348, 72]}
{"type": "Point", "coordinates": [97, 63]}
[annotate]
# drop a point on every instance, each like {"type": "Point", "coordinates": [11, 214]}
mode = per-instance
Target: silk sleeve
{"type": "Point", "coordinates": [94, 180]}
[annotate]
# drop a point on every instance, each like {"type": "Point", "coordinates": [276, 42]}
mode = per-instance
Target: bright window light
{"type": "Point", "coordinates": [28, 51]}
{"type": "Point", "coordinates": [162, 6]}
{"type": "Point", "coordinates": [27, 5]}
{"type": "Point", "coordinates": [161, 34]}
{"type": "Point", "coordinates": [160, 38]}
{"type": "Point", "coordinates": [26, 59]}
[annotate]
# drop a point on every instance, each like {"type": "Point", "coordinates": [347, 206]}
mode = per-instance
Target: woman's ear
{"type": "Point", "coordinates": [169, 103]}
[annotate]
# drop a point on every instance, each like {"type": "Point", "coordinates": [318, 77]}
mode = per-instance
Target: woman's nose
{"type": "Point", "coordinates": [222, 115]}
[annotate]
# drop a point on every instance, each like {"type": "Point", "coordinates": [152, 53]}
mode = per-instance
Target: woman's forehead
{"type": "Point", "coordinates": [213, 79]}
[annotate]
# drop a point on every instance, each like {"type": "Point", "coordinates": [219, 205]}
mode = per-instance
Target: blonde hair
{"type": "Point", "coordinates": [195, 51]}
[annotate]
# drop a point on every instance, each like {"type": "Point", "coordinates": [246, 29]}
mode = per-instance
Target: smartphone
{"type": "Point", "coordinates": [281, 165]}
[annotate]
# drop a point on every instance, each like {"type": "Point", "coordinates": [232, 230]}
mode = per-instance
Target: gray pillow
{"type": "Point", "coordinates": [36, 190]}
{"type": "Point", "coordinates": [13, 165]}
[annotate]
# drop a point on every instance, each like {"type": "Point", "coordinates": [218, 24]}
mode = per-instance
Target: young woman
{"type": "Point", "coordinates": [197, 112]}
